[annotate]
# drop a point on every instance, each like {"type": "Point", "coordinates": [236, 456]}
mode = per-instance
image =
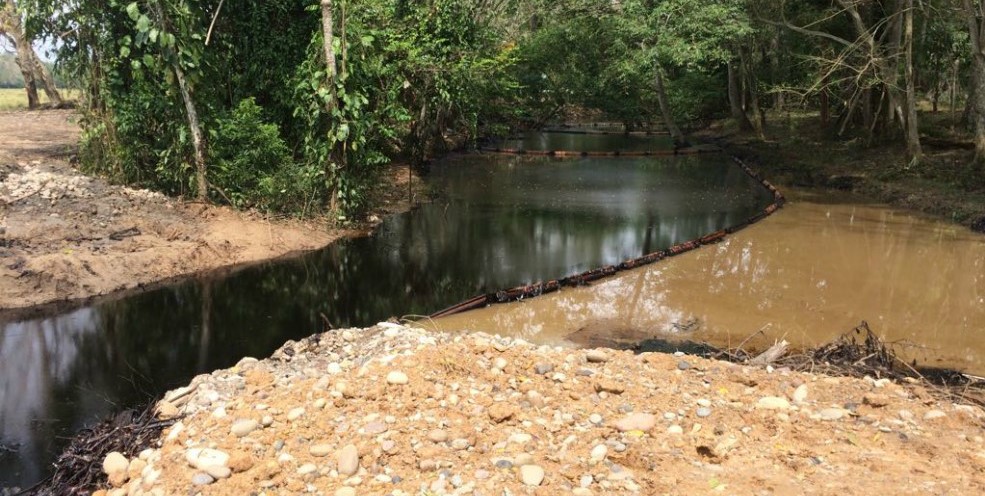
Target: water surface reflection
{"type": "Point", "coordinates": [504, 221]}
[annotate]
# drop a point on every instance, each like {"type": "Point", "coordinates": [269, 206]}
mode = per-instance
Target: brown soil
{"type": "Point", "coordinates": [427, 413]}
{"type": "Point", "coordinates": [66, 237]}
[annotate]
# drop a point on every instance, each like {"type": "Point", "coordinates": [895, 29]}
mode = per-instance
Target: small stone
{"type": "Point", "coordinates": [595, 419]}
{"type": "Point", "coordinates": [243, 427]}
{"type": "Point", "coordinates": [500, 412]}
{"type": "Point", "coordinates": [438, 436]}
{"type": "Point", "coordinates": [704, 402]}
{"type": "Point", "coordinates": [320, 449]}
{"type": "Point", "coordinates": [772, 403]}
{"type": "Point", "coordinates": [499, 363]}
{"type": "Point", "coordinates": [531, 475]}
{"type": "Point", "coordinates": [831, 414]}
{"type": "Point", "coordinates": [267, 420]}
{"type": "Point", "coordinates": [703, 412]}
{"type": "Point", "coordinates": [374, 428]}
{"type": "Point", "coordinates": [397, 377]}
{"type": "Point", "coordinates": [461, 444]}
{"type": "Point", "coordinates": [307, 468]}
{"type": "Point", "coordinates": [934, 415]}
{"type": "Point", "coordinates": [800, 394]}
{"type": "Point", "coordinates": [636, 422]}
{"type": "Point", "coordinates": [543, 368]}
{"type": "Point", "coordinates": [683, 365]}
{"type": "Point", "coordinates": [115, 463]}
{"type": "Point", "coordinates": [504, 464]}
{"type": "Point", "coordinates": [201, 458]}
{"type": "Point", "coordinates": [596, 356]}
{"type": "Point", "coordinates": [218, 472]}
{"type": "Point", "coordinates": [675, 429]}
{"type": "Point", "coordinates": [875, 400]}
{"type": "Point", "coordinates": [348, 460]}
{"type": "Point", "coordinates": [598, 452]}
{"type": "Point", "coordinates": [202, 479]}
{"type": "Point", "coordinates": [610, 386]}
{"type": "Point", "coordinates": [295, 414]}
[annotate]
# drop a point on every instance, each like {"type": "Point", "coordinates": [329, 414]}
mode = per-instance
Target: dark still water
{"type": "Point", "coordinates": [540, 140]}
{"type": "Point", "coordinates": [502, 221]}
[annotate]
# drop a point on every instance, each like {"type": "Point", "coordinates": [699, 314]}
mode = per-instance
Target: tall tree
{"type": "Point", "coordinates": [974, 12]}
{"type": "Point", "coordinates": [27, 59]}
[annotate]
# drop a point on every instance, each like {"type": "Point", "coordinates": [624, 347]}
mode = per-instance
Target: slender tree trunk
{"type": "Point", "coordinates": [976, 105]}
{"type": "Point", "coordinates": [47, 81]}
{"type": "Point", "coordinates": [912, 130]}
{"type": "Point", "coordinates": [749, 77]}
{"type": "Point", "coordinates": [668, 116]}
{"type": "Point", "coordinates": [198, 142]}
{"type": "Point", "coordinates": [10, 25]}
{"type": "Point", "coordinates": [735, 98]}
{"type": "Point", "coordinates": [331, 70]}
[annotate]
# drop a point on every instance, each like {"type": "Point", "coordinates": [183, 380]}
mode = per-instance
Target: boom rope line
{"type": "Point", "coordinates": [582, 279]}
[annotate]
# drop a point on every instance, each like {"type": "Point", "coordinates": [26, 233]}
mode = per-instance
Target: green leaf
{"type": "Point", "coordinates": [153, 35]}
{"type": "Point", "coordinates": [124, 51]}
{"type": "Point", "coordinates": [143, 24]}
{"type": "Point", "coordinates": [148, 61]}
{"type": "Point", "coordinates": [133, 11]}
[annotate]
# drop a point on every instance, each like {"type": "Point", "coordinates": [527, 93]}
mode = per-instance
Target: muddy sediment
{"type": "Point", "coordinates": [397, 410]}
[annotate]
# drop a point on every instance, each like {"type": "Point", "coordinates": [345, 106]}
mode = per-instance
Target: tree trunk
{"type": "Point", "coordinates": [10, 24]}
{"type": "Point", "coordinates": [196, 131]}
{"type": "Point", "coordinates": [758, 118]}
{"type": "Point", "coordinates": [329, 46]}
{"type": "Point", "coordinates": [668, 117]}
{"type": "Point", "coordinates": [912, 131]}
{"type": "Point", "coordinates": [976, 105]}
{"type": "Point", "coordinates": [47, 81]}
{"type": "Point", "coordinates": [735, 98]}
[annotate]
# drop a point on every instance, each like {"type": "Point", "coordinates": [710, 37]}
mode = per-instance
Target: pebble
{"type": "Point", "coordinates": [114, 463]}
{"type": "Point", "coordinates": [348, 460]}
{"type": "Point", "coordinates": [543, 368]}
{"type": "Point", "coordinates": [875, 400]}
{"type": "Point", "coordinates": [595, 419]}
{"type": "Point", "coordinates": [675, 429]}
{"type": "Point", "coordinates": [397, 377]}
{"type": "Point", "coordinates": [531, 475]}
{"type": "Point", "coordinates": [320, 450]}
{"type": "Point", "coordinates": [636, 422]}
{"type": "Point", "coordinates": [934, 414]}
{"type": "Point", "coordinates": [799, 394]}
{"type": "Point", "coordinates": [598, 452]}
{"type": "Point", "coordinates": [243, 427]}
{"type": "Point", "coordinates": [499, 363]}
{"type": "Point", "coordinates": [703, 412]}
{"type": "Point", "coordinates": [772, 403]}
{"type": "Point", "coordinates": [218, 472]}
{"type": "Point", "coordinates": [295, 414]}
{"type": "Point", "coordinates": [438, 436]}
{"type": "Point", "coordinates": [504, 464]}
{"type": "Point", "coordinates": [374, 428]}
{"type": "Point", "coordinates": [831, 414]}
{"type": "Point", "coordinates": [202, 479]}
{"type": "Point", "coordinates": [683, 365]}
{"type": "Point", "coordinates": [202, 458]}
{"type": "Point", "coordinates": [500, 412]}
{"type": "Point", "coordinates": [596, 356]}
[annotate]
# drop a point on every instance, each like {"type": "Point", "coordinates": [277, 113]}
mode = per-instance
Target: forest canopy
{"type": "Point", "coordinates": [295, 105]}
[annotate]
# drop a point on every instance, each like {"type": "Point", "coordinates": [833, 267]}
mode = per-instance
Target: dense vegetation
{"type": "Point", "coordinates": [293, 105]}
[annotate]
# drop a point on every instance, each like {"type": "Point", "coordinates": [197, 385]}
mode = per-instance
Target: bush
{"type": "Point", "coordinates": [251, 166]}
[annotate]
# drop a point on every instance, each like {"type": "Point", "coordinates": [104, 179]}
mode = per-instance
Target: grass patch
{"type": "Point", "coordinates": [16, 98]}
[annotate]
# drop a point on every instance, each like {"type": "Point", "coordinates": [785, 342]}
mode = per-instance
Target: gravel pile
{"type": "Point", "coordinates": [402, 411]}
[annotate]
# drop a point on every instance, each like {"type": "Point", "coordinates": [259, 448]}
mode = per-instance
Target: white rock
{"type": "Point", "coordinates": [675, 429]}
{"type": "Point", "coordinates": [531, 475]}
{"type": "Point", "coordinates": [396, 377]}
{"type": "Point", "coordinates": [348, 460]}
{"type": "Point", "coordinates": [115, 463]}
{"type": "Point", "coordinates": [295, 414]}
{"type": "Point", "coordinates": [636, 422]}
{"type": "Point", "coordinates": [831, 414]}
{"type": "Point", "coordinates": [800, 394]}
{"type": "Point", "coordinates": [202, 458]}
{"type": "Point", "coordinates": [599, 452]}
{"type": "Point", "coordinates": [243, 427]}
{"type": "Point", "coordinates": [596, 356]}
{"type": "Point", "coordinates": [934, 414]}
{"type": "Point", "coordinates": [772, 403]}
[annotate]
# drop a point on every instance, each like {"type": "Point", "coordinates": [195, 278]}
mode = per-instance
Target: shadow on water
{"type": "Point", "coordinates": [503, 221]}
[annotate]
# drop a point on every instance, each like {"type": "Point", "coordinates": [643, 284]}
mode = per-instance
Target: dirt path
{"type": "Point", "coordinates": [65, 236]}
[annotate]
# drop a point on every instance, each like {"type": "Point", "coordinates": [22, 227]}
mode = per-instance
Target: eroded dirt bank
{"type": "Point", "coordinates": [396, 410]}
{"type": "Point", "coordinates": [67, 236]}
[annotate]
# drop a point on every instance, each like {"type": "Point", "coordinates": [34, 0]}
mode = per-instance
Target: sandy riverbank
{"type": "Point", "coordinates": [66, 236]}
{"type": "Point", "coordinates": [395, 410]}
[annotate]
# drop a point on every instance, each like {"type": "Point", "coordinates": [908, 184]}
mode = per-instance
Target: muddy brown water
{"type": "Point", "coordinates": [807, 274]}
